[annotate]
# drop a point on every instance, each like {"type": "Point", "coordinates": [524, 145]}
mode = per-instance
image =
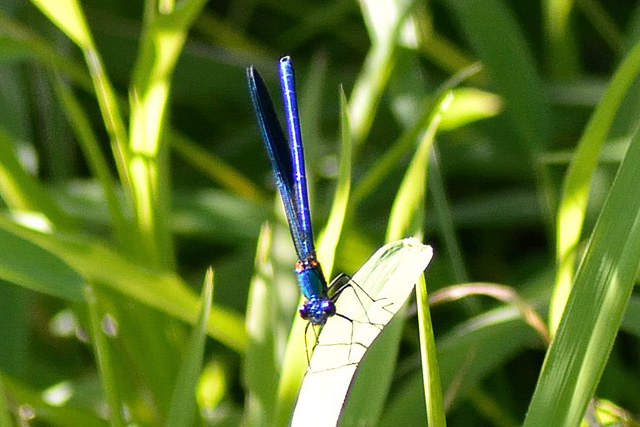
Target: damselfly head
{"type": "Point", "coordinates": [317, 310]}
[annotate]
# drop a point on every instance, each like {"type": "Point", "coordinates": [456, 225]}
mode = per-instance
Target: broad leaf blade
{"type": "Point", "coordinates": [388, 278]}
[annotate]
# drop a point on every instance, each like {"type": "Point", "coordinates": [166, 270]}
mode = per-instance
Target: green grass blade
{"type": "Point", "coordinates": [160, 46]}
{"type": "Point", "coordinates": [95, 158]}
{"type": "Point", "coordinates": [261, 370]}
{"type": "Point", "coordinates": [430, 371]}
{"type": "Point", "coordinates": [604, 281]}
{"type": "Point", "coordinates": [563, 56]}
{"type": "Point", "coordinates": [486, 22]}
{"type": "Point", "coordinates": [376, 371]}
{"type": "Point", "coordinates": [164, 291]}
{"type": "Point", "coordinates": [376, 174]}
{"type": "Point", "coordinates": [389, 277]}
{"type": "Point", "coordinates": [105, 362]}
{"type": "Point", "coordinates": [495, 35]}
{"type": "Point", "coordinates": [295, 357]}
{"type": "Point", "coordinates": [477, 347]}
{"type": "Point", "coordinates": [406, 219]}
{"type": "Point", "coordinates": [468, 106]}
{"type": "Point", "coordinates": [331, 234]}
{"type": "Point", "coordinates": [407, 213]}
{"type": "Point", "coordinates": [373, 78]}
{"type": "Point", "coordinates": [46, 413]}
{"type": "Point", "coordinates": [571, 211]}
{"type": "Point", "coordinates": [444, 218]}
{"type": "Point", "coordinates": [604, 24]}
{"type": "Point", "coordinates": [68, 16]}
{"type": "Point", "coordinates": [21, 191]}
{"type": "Point", "coordinates": [53, 276]}
{"type": "Point", "coordinates": [293, 370]}
{"type": "Point", "coordinates": [214, 168]}
{"type": "Point", "coordinates": [5, 414]}
{"type": "Point", "coordinates": [183, 402]}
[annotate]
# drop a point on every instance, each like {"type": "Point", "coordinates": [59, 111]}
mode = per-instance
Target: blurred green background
{"type": "Point", "coordinates": [162, 174]}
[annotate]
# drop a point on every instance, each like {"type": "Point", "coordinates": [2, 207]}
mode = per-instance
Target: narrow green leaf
{"type": "Point", "coordinates": [486, 24]}
{"type": "Point", "coordinates": [104, 354]}
{"type": "Point", "coordinates": [21, 191]}
{"type": "Point", "coordinates": [331, 234]}
{"type": "Point", "coordinates": [214, 167]}
{"type": "Point", "coordinates": [293, 370]}
{"type": "Point", "coordinates": [183, 401]}
{"type": "Point", "coordinates": [160, 289]}
{"type": "Point", "coordinates": [388, 277]}
{"type": "Point", "coordinates": [5, 415]}
{"type": "Point", "coordinates": [563, 58]}
{"type": "Point", "coordinates": [27, 264]}
{"type": "Point", "coordinates": [604, 281]}
{"type": "Point", "coordinates": [46, 413]}
{"type": "Point", "coordinates": [470, 105]}
{"type": "Point", "coordinates": [377, 68]}
{"type": "Point", "coordinates": [67, 15]}
{"type": "Point", "coordinates": [406, 219]}
{"type": "Point", "coordinates": [407, 213]}
{"type": "Point", "coordinates": [261, 370]}
{"type": "Point", "coordinates": [571, 211]}
{"type": "Point", "coordinates": [93, 153]}
{"type": "Point", "coordinates": [406, 142]}
{"type": "Point", "coordinates": [295, 356]}
{"type": "Point", "coordinates": [603, 23]}
{"type": "Point", "coordinates": [430, 371]}
{"type": "Point", "coordinates": [474, 349]}
{"type": "Point", "coordinates": [161, 43]}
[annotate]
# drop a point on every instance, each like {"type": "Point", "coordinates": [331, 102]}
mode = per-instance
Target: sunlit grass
{"type": "Point", "coordinates": [130, 163]}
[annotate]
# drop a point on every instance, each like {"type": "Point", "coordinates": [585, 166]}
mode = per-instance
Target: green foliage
{"type": "Point", "coordinates": [502, 134]}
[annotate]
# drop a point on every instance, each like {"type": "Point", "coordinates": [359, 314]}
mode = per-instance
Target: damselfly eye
{"type": "Point", "coordinates": [304, 312]}
{"type": "Point", "coordinates": [329, 308]}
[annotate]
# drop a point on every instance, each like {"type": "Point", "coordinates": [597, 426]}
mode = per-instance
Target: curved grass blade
{"type": "Point", "coordinates": [576, 185]}
{"type": "Point", "coordinates": [68, 16]}
{"type": "Point", "coordinates": [331, 234]}
{"type": "Point", "coordinates": [21, 191]}
{"type": "Point", "coordinates": [407, 218]}
{"type": "Point", "coordinates": [295, 361]}
{"type": "Point", "coordinates": [105, 358]}
{"type": "Point", "coordinates": [98, 263]}
{"type": "Point", "coordinates": [430, 370]}
{"type": "Point", "coordinates": [52, 276]}
{"type": "Point", "coordinates": [388, 277]}
{"type": "Point", "coordinates": [5, 414]}
{"type": "Point", "coordinates": [593, 314]}
{"type": "Point", "coordinates": [183, 401]}
{"type": "Point", "coordinates": [43, 412]}
{"type": "Point", "coordinates": [261, 367]}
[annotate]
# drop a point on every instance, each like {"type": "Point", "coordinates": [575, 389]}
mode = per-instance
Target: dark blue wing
{"type": "Point", "coordinates": [279, 155]}
{"type": "Point", "coordinates": [288, 84]}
